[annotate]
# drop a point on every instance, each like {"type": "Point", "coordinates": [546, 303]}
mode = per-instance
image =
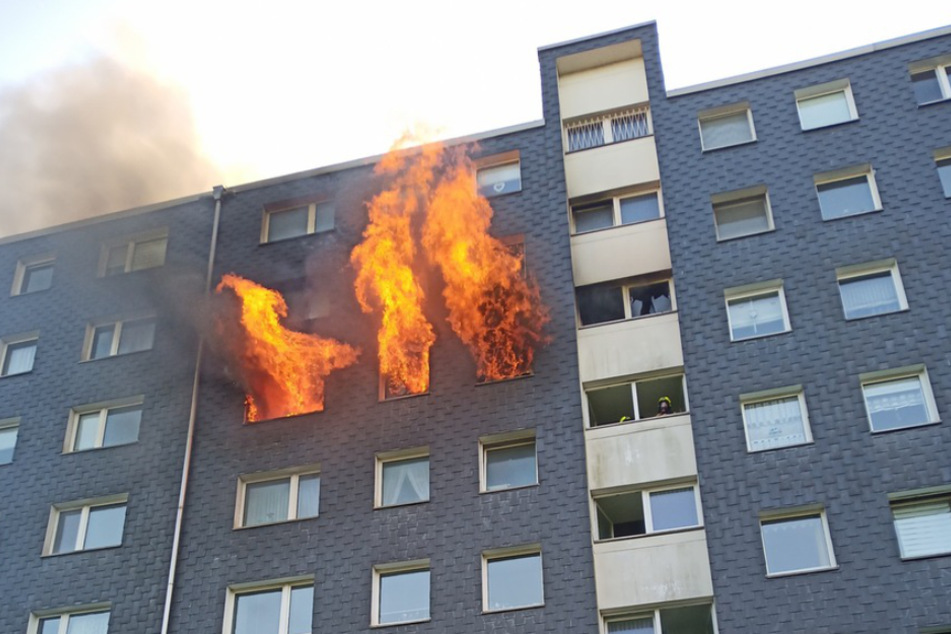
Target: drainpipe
{"type": "Point", "coordinates": [217, 193]}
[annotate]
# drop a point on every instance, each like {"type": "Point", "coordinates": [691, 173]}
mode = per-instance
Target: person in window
{"type": "Point", "coordinates": [664, 407]}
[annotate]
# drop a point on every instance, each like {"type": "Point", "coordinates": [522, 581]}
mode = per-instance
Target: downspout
{"type": "Point", "coordinates": [217, 192]}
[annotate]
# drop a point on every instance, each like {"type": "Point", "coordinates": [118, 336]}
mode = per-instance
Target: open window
{"type": "Point", "coordinates": [628, 299]}
{"type": "Point", "coordinates": [635, 400]}
{"type": "Point", "coordinates": [649, 511]}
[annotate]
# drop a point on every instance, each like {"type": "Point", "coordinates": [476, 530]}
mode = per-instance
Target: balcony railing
{"type": "Point", "coordinates": [606, 129]}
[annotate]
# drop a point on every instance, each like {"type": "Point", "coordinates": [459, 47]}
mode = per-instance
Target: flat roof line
{"type": "Point", "coordinates": [548, 47]}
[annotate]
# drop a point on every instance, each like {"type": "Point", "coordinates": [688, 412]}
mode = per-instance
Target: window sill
{"type": "Point", "coordinates": [125, 274]}
{"type": "Point", "coordinates": [769, 449]}
{"type": "Point", "coordinates": [381, 507]}
{"type": "Point", "coordinates": [851, 215]}
{"type": "Point", "coordinates": [758, 337]}
{"type": "Point", "coordinates": [502, 490]}
{"type": "Point", "coordinates": [380, 625]}
{"type": "Point", "coordinates": [84, 550]}
{"type": "Point", "coordinates": [526, 375]}
{"type": "Point", "coordinates": [931, 556]}
{"type": "Point", "coordinates": [254, 423]}
{"type": "Point", "coordinates": [745, 235]}
{"type": "Point", "coordinates": [513, 609]}
{"type": "Point", "coordinates": [106, 447]}
{"type": "Point", "coordinates": [936, 101]}
{"type": "Point", "coordinates": [905, 427]}
{"type": "Point", "coordinates": [27, 294]}
{"type": "Point", "coordinates": [705, 150]}
{"type": "Point", "coordinates": [301, 236]}
{"type": "Point", "coordinates": [400, 397]}
{"type": "Point", "coordinates": [793, 573]}
{"type": "Point", "coordinates": [890, 312]}
{"type": "Point", "coordinates": [4, 376]}
{"type": "Point", "coordinates": [499, 195]}
{"type": "Point", "coordinates": [277, 523]}
{"type": "Point", "coordinates": [829, 125]}
{"type": "Point", "coordinates": [115, 356]}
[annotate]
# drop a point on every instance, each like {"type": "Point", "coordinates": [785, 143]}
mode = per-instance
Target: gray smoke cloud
{"type": "Point", "coordinates": [92, 138]}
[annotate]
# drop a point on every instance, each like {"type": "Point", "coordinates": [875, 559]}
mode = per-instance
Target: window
{"type": "Point", "coordinates": [614, 301]}
{"type": "Point", "coordinates": [17, 354]}
{"type": "Point", "coordinates": [512, 579]}
{"type": "Point", "coordinates": [898, 398]}
{"type": "Point", "coordinates": [644, 512]}
{"type": "Point", "coordinates": [756, 311]}
{"type": "Point", "coordinates": [796, 543]}
{"type": "Point", "coordinates": [775, 418]}
{"type": "Point", "coordinates": [943, 165]}
{"type": "Point", "coordinates": [923, 524]}
{"type": "Point", "coordinates": [620, 210]}
{"type": "Point", "coordinates": [277, 607]}
{"type": "Point", "coordinates": [90, 620]}
{"type": "Point", "coordinates": [623, 125]}
{"type": "Point", "coordinates": [847, 193]}
{"type": "Point", "coordinates": [85, 525]}
{"type": "Point", "coordinates": [119, 337]}
{"type": "Point", "coordinates": [145, 251]}
{"type": "Point", "coordinates": [8, 439]}
{"type": "Point", "coordinates": [635, 400]}
{"type": "Point", "coordinates": [277, 496]}
{"type": "Point", "coordinates": [825, 105]}
{"type": "Point", "coordinates": [499, 178]}
{"type": "Point", "coordinates": [871, 289]}
{"type": "Point", "coordinates": [401, 593]}
{"type": "Point", "coordinates": [742, 213]}
{"type": "Point", "coordinates": [508, 461]}
{"type": "Point", "coordinates": [300, 220]}
{"type": "Point", "coordinates": [107, 425]}
{"type": "Point", "coordinates": [692, 619]}
{"type": "Point", "coordinates": [402, 477]}
{"type": "Point", "coordinates": [33, 275]}
{"type": "Point", "coordinates": [723, 127]}
{"type": "Point", "coordinates": [930, 80]}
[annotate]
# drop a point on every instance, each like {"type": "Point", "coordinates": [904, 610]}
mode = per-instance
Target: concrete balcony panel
{"type": "Point", "coordinates": [620, 252]}
{"type": "Point", "coordinates": [603, 88]}
{"type": "Point", "coordinates": [611, 167]}
{"type": "Point", "coordinates": [630, 347]}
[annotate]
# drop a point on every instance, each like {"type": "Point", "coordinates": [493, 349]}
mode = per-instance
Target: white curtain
{"type": "Point", "coordinates": [775, 423]}
{"type": "Point", "coordinates": [20, 357]}
{"type": "Point", "coordinates": [924, 529]}
{"type": "Point", "coordinates": [406, 481]}
{"type": "Point", "coordinates": [643, 625]}
{"type": "Point", "coordinates": [757, 315]}
{"type": "Point", "coordinates": [97, 623]}
{"type": "Point", "coordinates": [869, 295]}
{"type": "Point", "coordinates": [266, 502]}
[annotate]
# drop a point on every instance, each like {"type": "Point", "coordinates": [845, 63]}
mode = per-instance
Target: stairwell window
{"type": "Point", "coordinates": [614, 127]}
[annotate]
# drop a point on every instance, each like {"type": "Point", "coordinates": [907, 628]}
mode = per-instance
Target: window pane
{"type": "Point", "coordinates": [795, 544]}
{"type": "Point", "coordinates": [115, 259]}
{"type": "Point", "coordinates": [822, 110]}
{"type": "Point", "coordinates": [105, 526]}
{"type": "Point", "coordinates": [325, 217]}
{"type": "Point", "coordinates": [137, 335]}
{"type": "Point", "coordinates": [639, 209]}
{"type": "Point", "coordinates": [650, 300]}
{"type": "Point", "coordinates": [923, 528]}
{"type": "Point", "coordinates": [102, 341]}
{"type": "Point", "coordinates": [673, 509]}
{"type": "Point", "coordinates": [287, 224]}
{"type": "Point", "coordinates": [944, 173]}
{"type": "Point", "coordinates": [96, 623]}
{"type": "Point", "coordinates": [695, 619]}
{"type": "Point", "coordinates": [258, 613]}
{"type": "Point", "coordinates": [610, 405]}
{"type": "Point", "coordinates": [499, 179]}
{"type": "Point", "coordinates": [302, 610]}
{"type": "Point", "coordinates": [598, 304]}
{"type": "Point", "coordinates": [845, 198]}
{"type": "Point", "coordinates": [643, 625]}
{"type": "Point", "coordinates": [514, 582]}
{"type": "Point", "coordinates": [122, 425]}
{"type": "Point", "coordinates": [266, 502]}
{"type": "Point", "coordinates": [406, 481]}
{"type": "Point", "coordinates": [727, 130]}
{"type": "Point", "coordinates": [621, 515]}
{"type": "Point", "coordinates": [869, 295]}
{"type": "Point", "coordinates": [776, 423]}
{"type": "Point", "coordinates": [896, 404]}
{"type": "Point", "coordinates": [37, 277]}
{"type": "Point", "coordinates": [149, 254]}
{"type": "Point", "coordinates": [591, 217]}
{"type": "Point", "coordinates": [8, 443]}
{"type": "Point", "coordinates": [756, 316]}
{"type": "Point", "coordinates": [404, 596]}
{"type": "Point", "coordinates": [19, 358]}
{"type": "Point", "coordinates": [50, 626]}
{"type": "Point", "coordinates": [927, 88]}
{"type": "Point", "coordinates": [308, 496]}
{"type": "Point", "coordinates": [651, 391]}
{"type": "Point", "coordinates": [741, 218]}
{"type": "Point", "coordinates": [67, 530]}
{"type": "Point", "coordinates": [508, 467]}
{"type": "Point", "coordinates": [87, 431]}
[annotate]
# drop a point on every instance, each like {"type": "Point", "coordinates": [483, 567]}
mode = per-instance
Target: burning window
{"type": "Point", "coordinates": [144, 251]}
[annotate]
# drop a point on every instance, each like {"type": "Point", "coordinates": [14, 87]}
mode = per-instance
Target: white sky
{"type": "Point", "coordinates": [282, 86]}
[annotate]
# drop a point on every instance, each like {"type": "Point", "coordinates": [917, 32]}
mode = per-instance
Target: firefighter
{"type": "Point", "coordinates": [664, 407]}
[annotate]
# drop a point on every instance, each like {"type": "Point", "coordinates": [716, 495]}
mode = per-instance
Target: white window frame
{"type": "Point", "coordinates": [794, 514]}
{"type": "Point", "coordinates": [383, 570]}
{"type": "Point", "coordinates": [939, 67]}
{"type": "Point", "coordinates": [890, 266]}
{"type": "Point", "coordinates": [26, 264]}
{"type": "Point", "coordinates": [637, 410]}
{"type": "Point", "coordinates": [285, 585]}
{"type": "Point", "coordinates": [81, 534]}
{"type": "Point", "coordinates": [822, 90]}
{"type": "Point", "coordinates": [117, 325]}
{"type": "Point", "coordinates": [647, 509]}
{"type": "Point", "coordinates": [130, 243]}
{"type": "Point", "coordinates": [777, 394]}
{"type": "Point", "coordinates": [508, 440]}
{"type": "Point", "coordinates": [615, 202]}
{"type": "Point", "coordinates": [604, 122]}
{"type": "Point", "coordinates": [918, 498]}
{"type": "Point", "coordinates": [512, 157]}
{"type": "Point", "coordinates": [64, 615]}
{"type": "Point", "coordinates": [72, 426]}
{"type": "Point", "coordinates": [385, 457]}
{"type": "Point", "coordinates": [312, 208]}
{"type": "Point", "coordinates": [510, 553]}
{"type": "Point", "coordinates": [942, 160]}
{"type": "Point", "coordinates": [752, 291]}
{"type": "Point", "coordinates": [653, 614]}
{"type": "Point", "coordinates": [293, 474]}
{"type": "Point", "coordinates": [885, 376]}
{"type": "Point", "coordinates": [15, 340]}
{"type": "Point", "coordinates": [848, 173]}
{"type": "Point", "coordinates": [14, 424]}
{"type": "Point", "coordinates": [738, 197]}
{"type": "Point", "coordinates": [713, 114]}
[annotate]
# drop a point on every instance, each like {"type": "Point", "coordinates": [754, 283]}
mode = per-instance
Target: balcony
{"type": "Point", "coordinates": [620, 252]}
{"type": "Point", "coordinates": [613, 166]}
{"type": "Point", "coordinates": [630, 347]}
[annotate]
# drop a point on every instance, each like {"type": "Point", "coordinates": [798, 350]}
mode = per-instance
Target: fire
{"type": "Point", "coordinates": [493, 308]}
{"type": "Point", "coordinates": [283, 371]}
{"type": "Point", "coordinates": [386, 281]}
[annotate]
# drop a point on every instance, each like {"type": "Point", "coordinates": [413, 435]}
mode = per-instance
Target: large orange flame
{"type": "Point", "coordinates": [283, 371]}
{"type": "Point", "coordinates": [493, 307]}
{"type": "Point", "coordinates": [386, 281]}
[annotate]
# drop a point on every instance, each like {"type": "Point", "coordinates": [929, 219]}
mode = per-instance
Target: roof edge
{"type": "Point", "coordinates": [577, 40]}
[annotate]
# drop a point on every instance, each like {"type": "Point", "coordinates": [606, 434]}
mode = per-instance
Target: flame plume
{"type": "Point", "coordinates": [385, 280]}
{"type": "Point", "coordinates": [283, 370]}
{"type": "Point", "coordinates": [493, 308]}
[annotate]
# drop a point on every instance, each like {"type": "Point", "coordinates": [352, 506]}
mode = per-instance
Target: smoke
{"type": "Point", "coordinates": [91, 138]}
